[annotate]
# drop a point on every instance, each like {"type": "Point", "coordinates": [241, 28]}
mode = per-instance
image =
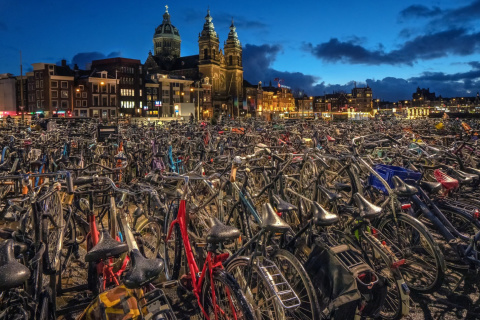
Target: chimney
{"type": "Point", "coordinates": [64, 63]}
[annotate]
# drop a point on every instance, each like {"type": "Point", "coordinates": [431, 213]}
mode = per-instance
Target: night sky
{"type": "Point", "coordinates": [317, 46]}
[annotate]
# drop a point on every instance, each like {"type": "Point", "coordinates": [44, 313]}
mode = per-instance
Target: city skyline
{"type": "Point", "coordinates": [312, 46]}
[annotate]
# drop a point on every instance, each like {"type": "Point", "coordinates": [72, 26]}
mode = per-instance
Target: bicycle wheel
{"type": "Point", "coordinates": [230, 301]}
{"type": "Point", "coordinates": [424, 268]}
{"type": "Point", "coordinates": [256, 289]}
{"type": "Point", "coordinates": [52, 235]}
{"type": "Point", "coordinates": [308, 176]}
{"type": "Point", "coordinates": [393, 305]}
{"type": "Point", "coordinates": [300, 282]}
{"type": "Point", "coordinates": [172, 247]}
{"type": "Point", "coordinates": [337, 179]}
{"type": "Point", "coordinates": [150, 238]}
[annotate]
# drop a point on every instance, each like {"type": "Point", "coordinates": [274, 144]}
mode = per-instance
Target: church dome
{"type": "Point", "coordinates": [166, 29]}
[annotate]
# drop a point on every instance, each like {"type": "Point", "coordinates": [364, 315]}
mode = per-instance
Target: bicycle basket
{"type": "Point", "coordinates": [387, 172]}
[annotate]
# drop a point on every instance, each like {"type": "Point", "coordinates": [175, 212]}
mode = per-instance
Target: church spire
{"type": "Point", "coordinates": [208, 27]}
{"type": "Point", "coordinates": [166, 15]}
{"type": "Point", "coordinates": [232, 35]}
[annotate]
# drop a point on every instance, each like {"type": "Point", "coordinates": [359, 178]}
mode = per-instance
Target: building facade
{"type": "Point", "coordinates": [50, 88]}
{"type": "Point", "coordinates": [8, 95]}
{"type": "Point", "coordinates": [129, 73]}
{"type": "Point", "coordinates": [219, 71]}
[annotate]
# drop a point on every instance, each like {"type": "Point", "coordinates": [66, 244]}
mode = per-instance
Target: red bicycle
{"type": "Point", "coordinates": [218, 294]}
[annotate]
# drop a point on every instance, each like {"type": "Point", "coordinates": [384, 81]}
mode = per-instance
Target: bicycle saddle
{"type": "Point", "coordinates": [367, 209]}
{"type": "Point", "coordinates": [282, 205]}
{"type": "Point", "coordinates": [271, 221]}
{"type": "Point", "coordinates": [401, 188]}
{"type": "Point", "coordinates": [220, 232]}
{"type": "Point", "coordinates": [431, 187]}
{"type": "Point", "coordinates": [340, 186]}
{"type": "Point", "coordinates": [462, 177]}
{"type": "Point", "coordinates": [12, 272]}
{"type": "Point", "coordinates": [322, 217]}
{"type": "Point", "coordinates": [105, 248]}
{"type": "Point", "coordinates": [142, 271]}
{"type": "Point", "coordinates": [331, 196]}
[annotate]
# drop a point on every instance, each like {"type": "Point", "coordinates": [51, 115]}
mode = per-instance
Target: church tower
{"type": "Point", "coordinates": [210, 57]}
{"type": "Point", "coordinates": [234, 68]}
{"type": "Point", "coordinates": [166, 40]}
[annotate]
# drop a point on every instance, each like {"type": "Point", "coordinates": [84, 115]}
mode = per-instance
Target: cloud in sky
{"type": "Point", "coordinates": [419, 11]}
{"type": "Point", "coordinates": [258, 61]}
{"type": "Point", "coordinates": [424, 47]}
{"type": "Point", "coordinates": [83, 59]}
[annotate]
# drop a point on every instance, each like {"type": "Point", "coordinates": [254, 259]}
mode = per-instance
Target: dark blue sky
{"type": "Point", "coordinates": [318, 46]}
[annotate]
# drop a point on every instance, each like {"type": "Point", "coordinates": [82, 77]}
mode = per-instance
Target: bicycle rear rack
{"type": "Point", "coordinates": [346, 256]}
{"type": "Point", "coordinates": [278, 285]}
{"type": "Point", "coordinates": [463, 205]}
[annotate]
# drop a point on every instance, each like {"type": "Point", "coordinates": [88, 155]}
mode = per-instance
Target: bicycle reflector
{"type": "Point", "coordinates": [476, 214]}
{"type": "Point", "coordinates": [447, 182]}
{"type": "Point", "coordinates": [397, 264]}
{"type": "Point", "coordinates": [406, 206]}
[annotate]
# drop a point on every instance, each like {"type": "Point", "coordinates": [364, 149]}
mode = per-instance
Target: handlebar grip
{"type": "Point", "coordinates": [83, 181]}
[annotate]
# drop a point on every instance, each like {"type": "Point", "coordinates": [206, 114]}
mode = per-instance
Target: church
{"type": "Point", "coordinates": [221, 70]}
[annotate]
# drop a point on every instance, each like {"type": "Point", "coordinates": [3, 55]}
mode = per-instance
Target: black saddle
{"type": "Point", "coordinates": [282, 205]}
{"type": "Point", "coordinates": [322, 217]}
{"type": "Point", "coordinates": [12, 272]}
{"type": "Point", "coordinates": [331, 196]}
{"type": "Point", "coordinates": [367, 209]}
{"type": "Point", "coordinates": [463, 178]}
{"type": "Point", "coordinates": [339, 186]}
{"type": "Point", "coordinates": [431, 187]}
{"type": "Point", "coordinates": [402, 189]}
{"type": "Point", "coordinates": [106, 247]}
{"type": "Point", "coordinates": [271, 221]}
{"type": "Point", "coordinates": [143, 270]}
{"type": "Point", "coordinates": [220, 233]}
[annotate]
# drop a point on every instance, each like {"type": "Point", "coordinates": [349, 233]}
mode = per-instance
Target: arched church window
{"type": "Point", "coordinates": [230, 60]}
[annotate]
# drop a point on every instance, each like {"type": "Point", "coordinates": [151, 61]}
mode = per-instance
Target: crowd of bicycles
{"type": "Point", "coordinates": [247, 220]}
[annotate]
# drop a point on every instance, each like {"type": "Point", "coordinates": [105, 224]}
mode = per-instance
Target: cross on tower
{"type": "Point", "coordinates": [166, 8]}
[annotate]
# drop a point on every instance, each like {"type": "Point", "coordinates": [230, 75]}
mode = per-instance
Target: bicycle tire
{"type": "Point", "coordinates": [173, 247]}
{"type": "Point", "coordinates": [256, 289]}
{"type": "Point", "coordinates": [420, 255]}
{"type": "Point", "coordinates": [393, 305]}
{"type": "Point", "coordinates": [149, 238]}
{"type": "Point", "coordinates": [51, 235]}
{"type": "Point", "coordinates": [302, 284]}
{"type": "Point", "coordinates": [243, 308]}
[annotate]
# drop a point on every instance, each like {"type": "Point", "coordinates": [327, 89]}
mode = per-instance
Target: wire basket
{"type": "Point", "coordinates": [387, 172]}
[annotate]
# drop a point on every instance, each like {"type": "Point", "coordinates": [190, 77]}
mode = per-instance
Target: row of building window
{"type": "Point", "coordinates": [125, 80]}
{"type": "Point", "coordinates": [128, 104]}
{"type": "Point", "coordinates": [127, 92]}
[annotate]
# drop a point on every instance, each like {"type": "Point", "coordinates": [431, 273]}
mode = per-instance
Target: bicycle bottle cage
{"type": "Point", "coordinates": [447, 182]}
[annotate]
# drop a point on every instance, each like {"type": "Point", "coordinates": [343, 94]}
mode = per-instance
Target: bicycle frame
{"type": "Point", "coordinates": [211, 262]}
